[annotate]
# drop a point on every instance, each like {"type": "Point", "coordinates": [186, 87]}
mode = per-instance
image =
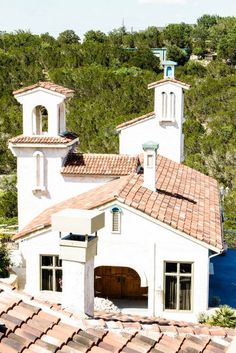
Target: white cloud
{"type": "Point", "coordinates": [164, 2]}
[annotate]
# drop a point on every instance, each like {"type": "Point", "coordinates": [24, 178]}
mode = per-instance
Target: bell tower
{"type": "Point", "coordinates": [169, 113]}
{"type": "Point", "coordinates": [42, 147]}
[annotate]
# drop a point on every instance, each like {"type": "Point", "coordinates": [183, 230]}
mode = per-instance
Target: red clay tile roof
{"type": "Point", "coordinates": [29, 325]}
{"type": "Point", "coordinates": [135, 120]}
{"type": "Point", "coordinates": [186, 200]}
{"type": "Point", "coordinates": [172, 80]}
{"type": "Point", "coordinates": [49, 86]}
{"type": "Point", "coordinates": [40, 139]}
{"type": "Point", "coordinates": [100, 164]}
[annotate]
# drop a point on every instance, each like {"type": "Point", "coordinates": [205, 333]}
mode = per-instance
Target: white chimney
{"type": "Point", "coordinates": [150, 159]}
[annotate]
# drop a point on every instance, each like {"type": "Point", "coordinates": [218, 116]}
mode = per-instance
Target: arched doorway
{"type": "Point", "coordinates": [119, 283]}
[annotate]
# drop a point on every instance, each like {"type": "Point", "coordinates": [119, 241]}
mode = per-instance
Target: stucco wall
{"type": "Point", "coordinates": [57, 186]}
{"type": "Point", "coordinates": [142, 245]}
{"type": "Point", "coordinates": [167, 134]}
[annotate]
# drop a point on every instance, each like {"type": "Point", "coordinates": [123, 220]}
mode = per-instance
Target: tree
{"type": "Point", "coordinates": [207, 21]}
{"type": "Point", "coordinates": [145, 59]}
{"type": "Point", "coordinates": [95, 36]}
{"type": "Point", "coordinates": [176, 54]}
{"type": "Point", "coordinates": [178, 34]}
{"type": "Point", "coordinates": [8, 197]}
{"type": "Point", "coordinates": [4, 260]}
{"type": "Point", "coordinates": [68, 37]}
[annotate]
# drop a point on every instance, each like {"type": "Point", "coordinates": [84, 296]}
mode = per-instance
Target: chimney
{"type": "Point", "coordinates": [150, 156]}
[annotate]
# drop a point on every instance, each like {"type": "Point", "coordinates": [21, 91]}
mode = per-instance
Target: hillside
{"type": "Point", "coordinates": [110, 84]}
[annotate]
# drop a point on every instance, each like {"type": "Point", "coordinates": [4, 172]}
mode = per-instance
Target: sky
{"type": "Point", "coordinates": [55, 16]}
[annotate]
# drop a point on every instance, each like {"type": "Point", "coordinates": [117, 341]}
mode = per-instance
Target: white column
{"type": "Point", "coordinates": [78, 286]}
{"type": "Point", "coordinates": [150, 154]}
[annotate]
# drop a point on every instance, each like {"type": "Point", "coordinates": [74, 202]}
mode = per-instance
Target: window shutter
{"type": "Point", "coordinates": [115, 221]}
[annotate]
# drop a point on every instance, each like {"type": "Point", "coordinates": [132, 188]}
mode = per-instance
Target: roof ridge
{"type": "Point", "coordinates": [135, 120]}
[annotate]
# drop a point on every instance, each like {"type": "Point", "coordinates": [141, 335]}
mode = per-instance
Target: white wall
{"type": "Point", "coordinates": [57, 186]}
{"type": "Point", "coordinates": [167, 134]}
{"type": "Point", "coordinates": [50, 100]}
{"type": "Point", "coordinates": [142, 245]}
{"type": "Point", "coordinates": [133, 137]}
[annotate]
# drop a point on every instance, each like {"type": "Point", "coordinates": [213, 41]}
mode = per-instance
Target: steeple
{"type": "Point", "coordinates": [164, 125]}
{"type": "Point", "coordinates": [42, 147]}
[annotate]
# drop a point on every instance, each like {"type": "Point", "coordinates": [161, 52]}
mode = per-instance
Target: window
{"type": "Point", "coordinates": [116, 218]}
{"type": "Point", "coordinates": [172, 105]}
{"type": "Point", "coordinates": [39, 170]}
{"type": "Point", "coordinates": [51, 273]}
{"type": "Point", "coordinates": [178, 286]}
{"type": "Point", "coordinates": [164, 105]}
{"type": "Point", "coordinates": [149, 160]}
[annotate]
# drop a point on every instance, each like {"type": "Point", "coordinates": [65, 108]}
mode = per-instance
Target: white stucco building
{"type": "Point", "coordinates": [162, 219]}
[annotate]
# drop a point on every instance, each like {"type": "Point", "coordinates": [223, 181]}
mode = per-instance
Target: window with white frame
{"type": "Point", "coordinates": [51, 273]}
{"type": "Point", "coordinates": [39, 170]}
{"type": "Point", "coordinates": [178, 285]}
{"type": "Point", "coordinates": [116, 219]}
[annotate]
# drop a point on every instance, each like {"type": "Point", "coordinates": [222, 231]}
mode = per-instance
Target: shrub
{"type": "Point", "coordinates": [224, 316]}
{"type": "Point", "coordinates": [4, 261]}
{"type": "Point", "coordinates": [203, 318]}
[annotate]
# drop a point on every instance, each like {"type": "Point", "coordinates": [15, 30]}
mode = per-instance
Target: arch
{"type": "Point", "coordinates": [135, 267]}
{"type": "Point", "coordinates": [39, 170]}
{"type": "Point", "coordinates": [169, 71]}
{"type": "Point", "coordinates": [40, 120]}
{"type": "Point", "coordinates": [118, 282]}
{"type": "Point", "coordinates": [172, 105]}
{"type": "Point", "coordinates": [164, 105]}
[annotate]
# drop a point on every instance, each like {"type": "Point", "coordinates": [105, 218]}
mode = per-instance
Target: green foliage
{"type": "Point", "coordinates": [8, 197]}
{"type": "Point", "coordinates": [4, 260]}
{"type": "Point", "coordinates": [178, 34]}
{"type": "Point", "coordinates": [224, 317]}
{"type": "Point", "coordinates": [176, 54]}
{"type": "Point", "coordinates": [68, 37]}
{"type": "Point", "coordinates": [110, 83]}
{"type": "Point", "coordinates": [203, 318]}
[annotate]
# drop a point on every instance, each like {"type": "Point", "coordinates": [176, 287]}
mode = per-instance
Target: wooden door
{"type": "Point", "coordinates": [118, 282]}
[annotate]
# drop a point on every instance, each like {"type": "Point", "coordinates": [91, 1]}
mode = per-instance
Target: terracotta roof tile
{"type": "Point", "coordinates": [41, 139]}
{"type": "Point", "coordinates": [174, 203]}
{"type": "Point", "coordinates": [100, 164]}
{"type": "Point", "coordinates": [46, 334]}
{"type": "Point", "coordinates": [50, 86]}
{"type": "Point", "coordinates": [135, 120]}
{"type": "Point", "coordinates": [86, 200]}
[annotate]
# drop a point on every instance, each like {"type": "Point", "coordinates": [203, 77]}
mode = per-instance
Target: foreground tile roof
{"type": "Point", "coordinates": [135, 120]}
{"type": "Point", "coordinates": [49, 86]}
{"type": "Point", "coordinates": [28, 325]}
{"type": "Point", "coordinates": [100, 164]}
{"type": "Point", "coordinates": [41, 139]}
{"type": "Point", "coordinates": [186, 200]}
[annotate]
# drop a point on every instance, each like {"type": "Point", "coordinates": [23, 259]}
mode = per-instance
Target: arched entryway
{"type": "Point", "coordinates": [119, 283]}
